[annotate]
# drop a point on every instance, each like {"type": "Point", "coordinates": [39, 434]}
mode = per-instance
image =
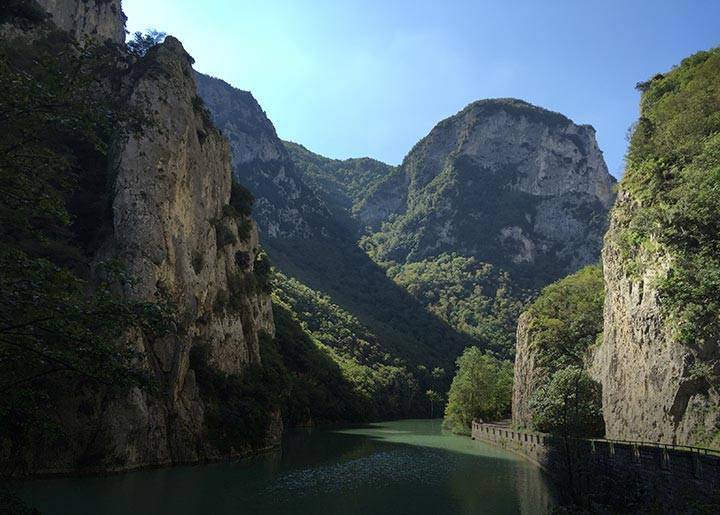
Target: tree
{"type": "Point", "coordinates": [569, 405]}
{"type": "Point", "coordinates": [434, 398]}
{"type": "Point", "coordinates": [481, 389]}
{"type": "Point", "coordinates": [141, 43]}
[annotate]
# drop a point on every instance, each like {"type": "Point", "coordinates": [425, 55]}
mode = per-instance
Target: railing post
{"type": "Point", "coordinates": [665, 459]}
{"type": "Point", "coordinates": [696, 465]}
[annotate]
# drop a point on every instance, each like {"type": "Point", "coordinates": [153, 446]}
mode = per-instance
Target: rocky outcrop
{"type": "Point", "coordinates": [559, 329]}
{"type": "Point", "coordinates": [651, 388]}
{"type": "Point", "coordinates": [98, 20]}
{"type": "Point", "coordinates": [659, 362]}
{"type": "Point", "coordinates": [284, 206]}
{"type": "Point", "coordinates": [180, 244]}
{"type": "Point", "coordinates": [528, 374]}
{"type": "Point", "coordinates": [504, 181]}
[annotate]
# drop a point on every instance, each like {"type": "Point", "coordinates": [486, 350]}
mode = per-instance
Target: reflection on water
{"type": "Point", "coordinates": [404, 467]}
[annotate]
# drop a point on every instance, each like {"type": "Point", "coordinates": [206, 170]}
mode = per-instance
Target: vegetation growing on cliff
{"type": "Point", "coordinates": [565, 322]}
{"type": "Point", "coordinates": [60, 318]}
{"type": "Point", "coordinates": [567, 318]}
{"type": "Point", "coordinates": [481, 390]}
{"type": "Point", "coordinates": [569, 404]}
{"type": "Point", "coordinates": [344, 183]}
{"type": "Point", "coordinates": [672, 202]}
{"type": "Point", "coordinates": [298, 380]}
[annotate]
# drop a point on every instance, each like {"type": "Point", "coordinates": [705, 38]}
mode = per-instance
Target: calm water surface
{"type": "Point", "coordinates": [404, 467]}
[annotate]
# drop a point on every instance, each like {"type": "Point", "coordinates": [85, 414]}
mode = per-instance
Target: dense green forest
{"type": "Point", "coordinates": [387, 385]}
{"type": "Point", "coordinates": [343, 272]}
{"type": "Point", "coordinates": [343, 184]}
{"type": "Point", "coordinates": [476, 298]}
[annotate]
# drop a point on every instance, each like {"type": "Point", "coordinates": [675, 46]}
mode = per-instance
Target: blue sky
{"type": "Point", "coordinates": [371, 77]}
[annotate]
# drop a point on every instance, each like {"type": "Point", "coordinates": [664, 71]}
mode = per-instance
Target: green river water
{"type": "Point", "coordinates": [394, 468]}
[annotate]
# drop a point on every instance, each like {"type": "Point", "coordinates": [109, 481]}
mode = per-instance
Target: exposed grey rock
{"type": "Point", "coordinates": [284, 206]}
{"type": "Point", "coordinates": [98, 20]}
{"type": "Point", "coordinates": [528, 374]}
{"type": "Point", "coordinates": [649, 389]}
{"type": "Point", "coordinates": [502, 180]}
{"type": "Point", "coordinates": [173, 182]}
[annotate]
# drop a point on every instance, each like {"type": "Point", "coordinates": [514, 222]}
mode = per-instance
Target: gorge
{"type": "Point", "coordinates": [181, 286]}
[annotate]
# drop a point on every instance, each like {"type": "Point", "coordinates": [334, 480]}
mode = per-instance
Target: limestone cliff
{"type": "Point", "coordinates": [180, 244]}
{"type": "Point", "coordinates": [528, 375]}
{"type": "Point", "coordinates": [651, 387]}
{"type": "Point", "coordinates": [98, 20]}
{"type": "Point", "coordinates": [642, 369]}
{"type": "Point", "coordinates": [502, 180]}
{"type": "Point", "coordinates": [558, 330]}
{"type": "Point", "coordinates": [659, 362]}
{"type": "Point", "coordinates": [284, 206]}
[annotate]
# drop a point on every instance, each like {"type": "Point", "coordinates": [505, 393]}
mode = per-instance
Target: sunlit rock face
{"type": "Point", "coordinates": [284, 206]}
{"type": "Point", "coordinates": [502, 180]}
{"type": "Point", "coordinates": [650, 389]}
{"type": "Point", "coordinates": [98, 20]}
{"type": "Point", "coordinates": [528, 374]}
{"type": "Point", "coordinates": [177, 243]}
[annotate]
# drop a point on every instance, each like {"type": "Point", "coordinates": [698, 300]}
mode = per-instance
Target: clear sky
{"type": "Point", "coordinates": [371, 77]}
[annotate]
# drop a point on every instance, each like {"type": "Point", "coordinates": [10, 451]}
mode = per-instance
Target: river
{"type": "Point", "coordinates": [393, 468]}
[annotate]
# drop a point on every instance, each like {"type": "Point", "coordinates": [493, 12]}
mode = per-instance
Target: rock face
{"type": "Point", "coordinates": [649, 389]}
{"type": "Point", "coordinates": [559, 329]}
{"type": "Point", "coordinates": [173, 233]}
{"type": "Point", "coordinates": [284, 206]}
{"type": "Point", "coordinates": [659, 362]}
{"type": "Point", "coordinates": [99, 20]}
{"type": "Point", "coordinates": [528, 374]}
{"type": "Point", "coordinates": [504, 181]}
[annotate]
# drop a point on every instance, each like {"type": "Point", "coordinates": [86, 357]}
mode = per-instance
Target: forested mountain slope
{"type": "Point", "coordinates": [503, 181]}
{"type": "Point", "coordinates": [311, 237]}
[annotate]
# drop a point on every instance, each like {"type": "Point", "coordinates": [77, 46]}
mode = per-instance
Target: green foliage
{"type": "Point", "coordinates": [565, 321]}
{"type": "Point", "coordinates": [401, 324]}
{"type": "Point", "coordinates": [475, 298]}
{"type": "Point", "coordinates": [241, 200]}
{"type": "Point", "coordinates": [60, 318]}
{"type": "Point", "coordinates": [436, 400]}
{"type": "Point", "coordinates": [570, 404]}
{"type": "Point", "coordinates": [344, 184]}
{"type": "Point", "coordinates": [239, 408]}
{"type": "Point", "coordinates": [567, 318]}
{"type": "Point", "coordinates": [384, 381]}
{"type": "Point", "coordinates": [141, 43]}
{"type": "Point", "coordinates": [224, 235]}
{"type": "Point", "coordinates": [297, 377]}
{"type": "Point", "coordinates": [672, 204]}
{"type": "Point", "coordinates": [481, 390]}
{"type": "Point", "coordinates": [23, 13]}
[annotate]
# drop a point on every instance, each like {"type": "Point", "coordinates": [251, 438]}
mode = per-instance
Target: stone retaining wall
{"type": "Point", "coordinates": [663, 477]}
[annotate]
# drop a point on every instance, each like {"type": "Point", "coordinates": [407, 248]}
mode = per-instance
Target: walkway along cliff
{"type": "Point", "coordinates": [637, 474]}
